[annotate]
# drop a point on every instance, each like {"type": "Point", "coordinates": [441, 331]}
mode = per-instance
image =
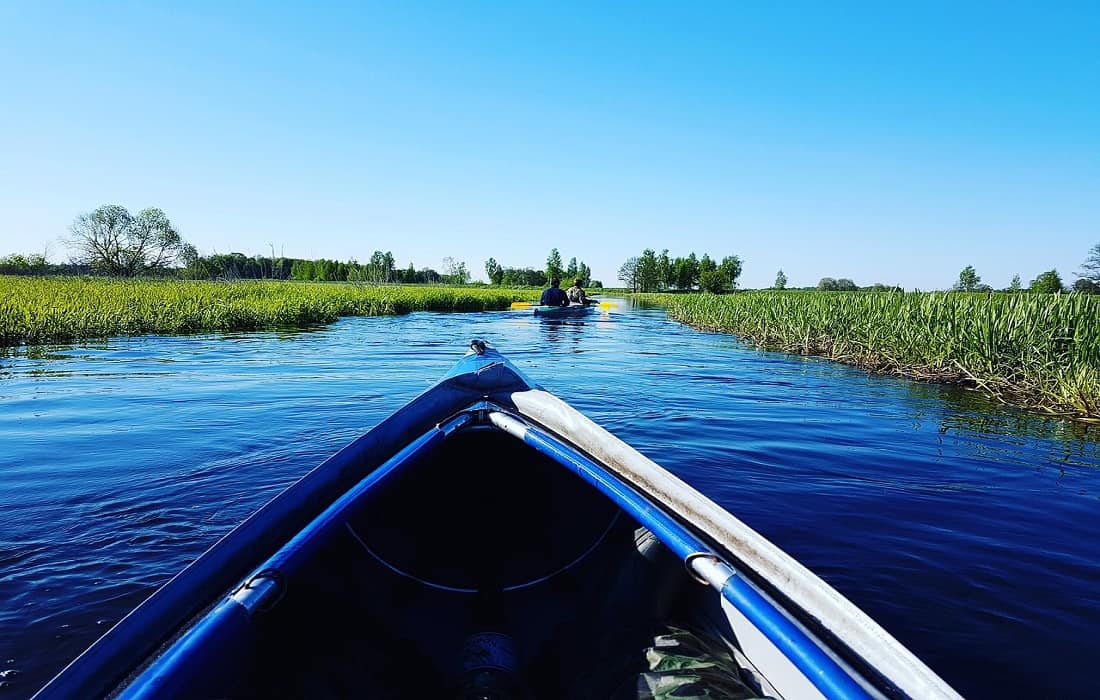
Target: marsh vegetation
{"type": "Point", "coordinates": [38, 310]}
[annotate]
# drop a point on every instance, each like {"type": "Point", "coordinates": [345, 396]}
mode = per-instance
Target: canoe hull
{"type": "Point", "coordinates": [487, 504]}
{"type": "Point", "coordinates": [562, 311]}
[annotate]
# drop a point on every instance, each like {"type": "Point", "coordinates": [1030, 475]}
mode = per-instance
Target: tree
{"type": "Point", "coordinates": [1014, 286]}
{"type": "Point", "coordinates": [16, 264]}
{"type": "Point", "coordinates": [686, 271]}
{"type": "Point", "coordinates": [827, 284]}
{"type": "Point", "coordinates": [111, 240]}
{"type": "Point", "coordinates": [846, 285]}
{"type": "Point", "coordinates": [571, 270]}
{"type": "Point", "coordinates": [1091, 266]}
{"type": "Point", "coordinates": [585, 273]}
{"type": "Point", "coordinates": [968, 280]}
{"type": "Point", "coordinates": [493, 271]}
{"type": "Point", "coordinates": [1086, 286]}
{"type": "Point", "coordinates": [1047, 283]}
{"type": "Point", "coordinates": [665, 272]}
{"type": "Point", "coordinates": [713, 281]}
{"type": "Point", "coordinates": [380, 267]}
{"type": "Point", "coordinates": [628, 274]}
{"type": "Point", "coordinates": [647, 271]}
{"type": "Point", "coordinates": [455, 272]}
{"type": "Point", "coordinates": [780, 281]}
{"type": "Point", "coordinates": [553, 264]}
{"type": "Point", "coordinates": [731, 268]}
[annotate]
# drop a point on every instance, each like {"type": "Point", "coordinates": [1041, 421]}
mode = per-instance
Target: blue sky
{"type": "Point", "coordinates": [880, 142]}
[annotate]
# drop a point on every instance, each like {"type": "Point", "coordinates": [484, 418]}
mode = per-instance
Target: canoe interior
{"type": "Point", "coordinates": [479, 533]}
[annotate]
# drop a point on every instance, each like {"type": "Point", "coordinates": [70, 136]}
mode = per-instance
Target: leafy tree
{"type": "Point", "coordinates": [846, 285]}
{"type": "Point", "coordinates": [553, 264]}
{"type": "Point", "coordinates": [1014, 286]}
{"type": "Point", "coordinates": [571, 270]}
{"type": "Point", "coordinates": [665, 272]}
{"type": "Point", "coordinates": [628, 273]}
{"type": "Point", "coordinates": [647, 271]}
{"type": "Point", "coordinates": [713, 281]}
{"type": "Point", "coordinates": [16, 264]}
{"type": "Point", "coordinates": [585, 273]}
{"type": "Point", "coordinates": [1047, 283]}
{"type": "Point", "coordinates": [686, 271]}
{"type": "Point", "coordinates": [827, 284]}
{"type": "Point", "coordinates": [1091, 266]}
{"type": "Point", "coordinates": [1086, 286]}
{"type": "Point", "coordinates": [968, 280]}
{"type": "Point", "coordinates": [780, 281]}
{"type": "Point", "coordinates": [523, 277]}
{"type": "Point", "coordinates": [494, 271]}
{"type": "Point", "coordinates": [302, 270]}
{"type": "Point", "coordinates": [455, 272]}
{"type": "Point", "coordinates": [111, 240]}
{"type": "Point", "coordinates": [380, 268]}
{"type": "Point", "coordinates": [731, 268]}
{"type": "Point", "coordinates": [706, 265]}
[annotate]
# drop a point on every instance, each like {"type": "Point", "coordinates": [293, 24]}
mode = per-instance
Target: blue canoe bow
{"type": "Point", "coordinates": [488, 514]}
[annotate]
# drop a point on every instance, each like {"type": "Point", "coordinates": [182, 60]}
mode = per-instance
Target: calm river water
{"type": "Point", "coordinates": [970, 531]}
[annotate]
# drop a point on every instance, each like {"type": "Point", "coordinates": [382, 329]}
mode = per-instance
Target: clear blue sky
{"type": "Point", "coordinates": [884, 142]}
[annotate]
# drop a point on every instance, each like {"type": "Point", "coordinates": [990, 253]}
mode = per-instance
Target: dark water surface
{"type": "Point", "coordinates": [970, 531]}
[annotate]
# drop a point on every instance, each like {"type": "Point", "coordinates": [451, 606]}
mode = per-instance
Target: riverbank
{"type": "Point", "coordinates": [42, 310]}
{"type": "Point", "coordinates": [1037, 351]}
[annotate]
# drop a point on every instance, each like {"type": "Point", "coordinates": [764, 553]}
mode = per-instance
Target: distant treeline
{"type": "Point", "coordinates": [653, 272]}
{"type": "Point", "coordinates": [381, 269]}
{"type": "Point", "coordinates": [37, 265]}
{"type": "Point", "coordinates": [530, 277]}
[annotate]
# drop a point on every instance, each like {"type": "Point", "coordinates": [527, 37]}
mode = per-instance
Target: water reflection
{"type": "Point", "coordinates": [562, 330]}
{"type": "Point", "coordinates": [992, 427]}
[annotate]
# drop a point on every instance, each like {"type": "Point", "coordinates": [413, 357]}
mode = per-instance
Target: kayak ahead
{"type": "Point", "coordinates": [562, 311]}
{"type": "Point", "coordinates": [487, 540]}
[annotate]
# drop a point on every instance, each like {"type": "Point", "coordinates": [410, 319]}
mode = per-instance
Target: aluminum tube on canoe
{"type": "Point", "coordinates": [814, 663]}
{"type": "Point", "coordinates": [752, 552]}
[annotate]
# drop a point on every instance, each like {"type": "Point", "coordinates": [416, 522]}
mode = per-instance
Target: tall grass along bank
{"type": "Point", "coordinates": [37, 310]}
{"type": "Point", "coordinates": [1036, 350]}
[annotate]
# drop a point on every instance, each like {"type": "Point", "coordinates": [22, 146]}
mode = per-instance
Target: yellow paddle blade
{"type": "Point", "coordinates": [607, 305]}
{"type": "Point", "coordinates": [520, 304]}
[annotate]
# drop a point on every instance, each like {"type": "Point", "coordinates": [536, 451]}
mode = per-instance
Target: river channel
{"type": "Point", "coordinates": [969, 530]}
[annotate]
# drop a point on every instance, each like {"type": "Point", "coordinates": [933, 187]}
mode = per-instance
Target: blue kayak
{"type": "Point", "coordinates": [487, 540]}
{"type": "Point", "coordinates": [562, 311]}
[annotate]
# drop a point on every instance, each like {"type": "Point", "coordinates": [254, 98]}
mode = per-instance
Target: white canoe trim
{"type": "Point", "coordinates": [754, 552]}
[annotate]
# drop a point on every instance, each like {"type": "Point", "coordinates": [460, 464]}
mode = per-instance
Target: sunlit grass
{"type": "Point", "coordinates": [37, 310]}
{"type": "Point", "coordinates": [1037, 350]}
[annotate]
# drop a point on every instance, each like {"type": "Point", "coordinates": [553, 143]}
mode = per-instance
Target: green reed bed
{"type": "Point", "coordinates": [37, 310]}
{"type": "Point", "coordinates": [1036, 350]}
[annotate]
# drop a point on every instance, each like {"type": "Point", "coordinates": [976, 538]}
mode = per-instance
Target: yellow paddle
{"type": "Point", "coordinates": [529, 304]}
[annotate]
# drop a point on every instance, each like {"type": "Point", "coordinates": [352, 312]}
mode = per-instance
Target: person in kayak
{"type": "Point", "coordinates": [554, 296]}
{"type": "Point", "coordinates": [576, 293]}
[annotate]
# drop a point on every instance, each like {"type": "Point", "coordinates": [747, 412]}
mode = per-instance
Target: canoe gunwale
{"type": "Point", "coordinates": [179, 602]}
{"type": "Point", "coordinates": [827, 672]}
{"type": "Point", "coordinates": [831, 615]}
